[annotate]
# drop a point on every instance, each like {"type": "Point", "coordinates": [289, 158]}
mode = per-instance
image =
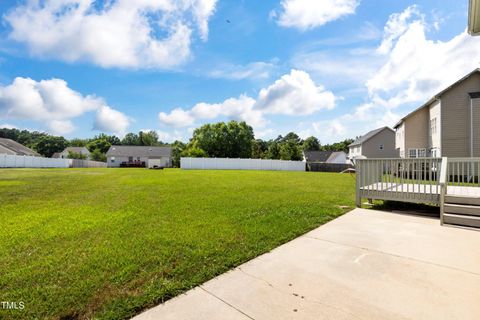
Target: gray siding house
{"type": "Point", "coordinates": [447, 125]}
{"type": "Point", "coordinates": [64, 153]}
{"type": "Point", "coordinates": [139, 156]}
{"type": "Point", "coordinates": [378, 143]}
{"type": "Point", "coordinates": [8, 146]}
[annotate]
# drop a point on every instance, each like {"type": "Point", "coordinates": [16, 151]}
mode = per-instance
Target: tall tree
{"type": "Point", "coordinates": [311, 144]}
{"type": "Point", "coordinates": [273, 150]}
{"type": "Point", "coordinates": [48, 145]}
{"type": "Point", "coordinates": [99, 143]}
{"type": "Point", "coordinates": [177, 148]}
{"type": "Point", "coordinates": [289, 150]}
{"type": "Point", "coordinates": [77, 142]}
{"type": "Point", "coordinates": [148, 138]}
{"type": "Point", "coordinates": [224, 140]}
{"type": "Point", "coordinates": [259, 149]}
{"type": "Point", "coordinates": [131, 139]}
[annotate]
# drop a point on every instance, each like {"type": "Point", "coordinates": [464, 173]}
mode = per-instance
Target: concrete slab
{"type": "Point", "coordinates": [364, 265]}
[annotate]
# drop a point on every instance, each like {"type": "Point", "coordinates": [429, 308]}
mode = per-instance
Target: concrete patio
{"type": "Point", "coordinates": [366, 264]}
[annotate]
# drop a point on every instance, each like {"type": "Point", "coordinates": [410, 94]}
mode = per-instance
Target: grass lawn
{"type": "Point", "coordinates": [109, 243]}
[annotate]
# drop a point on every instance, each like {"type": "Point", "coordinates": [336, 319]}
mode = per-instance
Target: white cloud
{"type": "Point", "coordinates": [307, 14]}
{"type": "Point", "coordinates": [7, 126]}
{"type": "Point", "coordinates": [61, 126]}
{"type": "Point", "coordinates": [123, 33]}
{"type": "Point", "coordinates": [293, 94]}
{"type": "Point", "coordinates": [49, 102]}
{"type": "Point", "coordinates": [110, 120]}
{"type": "Point", "coordinates": [416, 67]}
{"type": "Point", "coordinates": [176, 118]}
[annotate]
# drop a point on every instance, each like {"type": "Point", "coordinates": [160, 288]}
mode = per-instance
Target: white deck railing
{"type": "Point", "coordinates": [407, 180]}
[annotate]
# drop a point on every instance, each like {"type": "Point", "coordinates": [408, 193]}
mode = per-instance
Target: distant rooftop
{"type": "Point", "coordinates": [367, 136]}
{"type": "Point", "coordinates": [139, 151]}
{"type": "Point", "coordinates": [17, 148]}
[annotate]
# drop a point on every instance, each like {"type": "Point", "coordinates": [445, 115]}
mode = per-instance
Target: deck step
{"type": "Point", "coordinates": [461, 220]}
{"type": "Point", "coordinates": [473, 201]}
{"type": "Point", "coordinates": [462, 209]}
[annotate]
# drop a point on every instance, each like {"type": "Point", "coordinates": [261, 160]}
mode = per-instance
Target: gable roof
{"type": "Point", "coordinates": [139, 151]}
{"type": "Point", "coordinates": [320, 156]}
{"type": "Point", "coordinates": [317, 156]}
{"type": "Point", "coordinates": [368, 135]}
{"type": "Point", "coordinates": [437, 96]}
{"type": "Point", "coordinates": [82, 150]}
{"type": "Point", "coordinates": [17, 148]}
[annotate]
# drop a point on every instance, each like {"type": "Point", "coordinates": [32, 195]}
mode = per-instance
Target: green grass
{"type": "Point", "coordinates": [109, 243]}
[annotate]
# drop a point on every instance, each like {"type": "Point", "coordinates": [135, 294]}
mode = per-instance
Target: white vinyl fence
{"type": "Point", "coordinates": [240, 164]}
{"type": "Point", "coordinates": [13, 161]}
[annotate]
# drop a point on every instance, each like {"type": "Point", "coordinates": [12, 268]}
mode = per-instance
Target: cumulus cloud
{"type": "Point", "coordinates": [416, 67]}
{"type": "Point", "coordinates": [407, 68]}
{"type": "Point", "coordinates": [122, 33]}
{"type": "Point", "coordinates": [110, 120]}
{"type": "Point", "coordinates": [47, 101]}
{"type": "Point", "coordinates": [308, 14]}
{"type": "Point", "coordinates": [176, 118]}
{"type": "Point", "coordinates": [293, 94]}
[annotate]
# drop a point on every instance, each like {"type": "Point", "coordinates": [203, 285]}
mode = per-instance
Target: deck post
{"type": "Point", "coordinates": [443, 186]}
{"type": "Point", "coordinates": [358, 195]}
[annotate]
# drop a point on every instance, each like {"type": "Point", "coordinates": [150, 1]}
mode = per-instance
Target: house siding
{"type": "Point", "coordinates": [417, 131]}
{"type": "Point", "coordinates": [435, 128]}
{"type": "Point", "coordinates": [400, 140]}
{"type": "Point", "coordinates": [371, 147]}
{"type": "Point", "coordinates": [476, 127]}
{"type": "Point", "coordinates": [456, 118]}
{"type": "Point", "coordinates": [117, 160]}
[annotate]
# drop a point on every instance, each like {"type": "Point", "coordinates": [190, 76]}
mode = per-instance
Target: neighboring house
{"type": "Point", "coordinates": [8, 146]}
{"type": "Point", "coordinates": [378, 143]}
{"type": "Point", "coordinates": [447, 125]}
{"type": "Point", "coordinates": [139, 156]}
{"type": "Point", "coordinates": [64, 153]}
{"type": "Point", "coordinates": [325, 157]}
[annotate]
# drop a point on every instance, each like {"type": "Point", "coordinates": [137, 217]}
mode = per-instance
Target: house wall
{"type": "Point", "coordinates": [456, 118]}
{"type": "Point", "coordinates": [435, 129]}
{"type": "Point", "coordinates": [386, 138]}
{"type": "Point", "coordinates": [417, 130]}
{"type": "Point", "coordinates": [400, 140]}
{"type": "Point", "coordinates": [476, 127]}
{"type": "Point", "coordinates": [354, 151]}
{"type": "Point", "coordinates": [166, 161]}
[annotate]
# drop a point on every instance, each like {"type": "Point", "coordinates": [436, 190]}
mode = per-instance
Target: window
{"type": "Point", "coordinates": [112, 159]}
{"type": "Point", "coordinates": [417, 153]}
{"type": "Point", "coordinates": [433, 126]}
{"type": "Point", "coordinates": [380, 147]}
{"type": "Point", "coordinates": [130, 159]}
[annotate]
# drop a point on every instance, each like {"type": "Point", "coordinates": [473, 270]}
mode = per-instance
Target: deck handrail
{"type": "Point", "coordinates": [443, 186]}
{"type": "Point", "coordinates": [398, 179]}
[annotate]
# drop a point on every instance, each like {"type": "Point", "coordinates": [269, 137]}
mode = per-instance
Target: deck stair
{"type": "Point", "coordinates": [461, 211]}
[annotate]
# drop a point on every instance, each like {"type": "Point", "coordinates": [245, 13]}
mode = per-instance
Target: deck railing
{"type": "Point", "coordinates": [463, 172]}
{"type": "Point", "coordinates": [407, 180]}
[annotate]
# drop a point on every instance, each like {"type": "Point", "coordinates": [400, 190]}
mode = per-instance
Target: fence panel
{"type": "Point", "coordinates": [328, 167]}
{"type": "Point", "coordinates": [240, 164]}
{"type": "Point", "coordinates": [78, 163]}
{"type": "Point", "coordinates": [14, 161]}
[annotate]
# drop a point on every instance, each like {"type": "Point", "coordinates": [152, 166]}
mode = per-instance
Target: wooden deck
{"type": "Point", "coordinates": [410, 192]}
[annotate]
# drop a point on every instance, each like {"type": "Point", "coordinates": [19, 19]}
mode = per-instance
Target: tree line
{"type": "Point", "coordinates": [220, 140]}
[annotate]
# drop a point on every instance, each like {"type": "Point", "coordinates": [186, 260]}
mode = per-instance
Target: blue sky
{"type": "Point", "coordinates": [332, 69]}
